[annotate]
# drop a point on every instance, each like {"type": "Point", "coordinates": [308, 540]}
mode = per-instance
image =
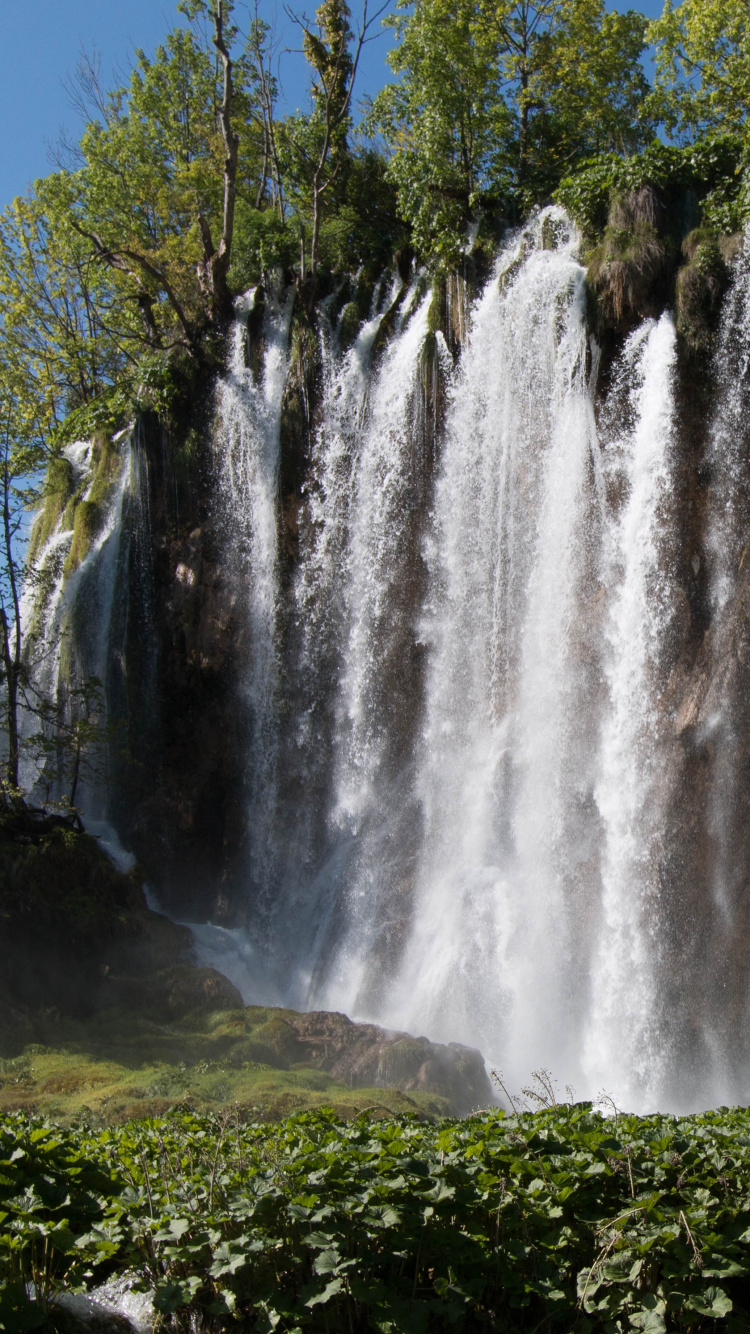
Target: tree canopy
{"type": "Point", "coordinates": [187, 185]}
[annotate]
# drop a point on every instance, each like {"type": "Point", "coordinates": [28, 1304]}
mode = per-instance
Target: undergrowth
{"type": "Point", "coordinates": [557, 1219]}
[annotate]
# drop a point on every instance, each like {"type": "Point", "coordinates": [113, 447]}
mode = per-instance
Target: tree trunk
{"type": "Point", "coordinates": [220, 261]}
{"type": "Point", "coordinates": [315, 237]}
{"type": "Point", "coordinates": [523, 133]}
{"type": "Point", "coordinates": [11, 645]}
{"type": "Point", "coordinates": [11, 707]}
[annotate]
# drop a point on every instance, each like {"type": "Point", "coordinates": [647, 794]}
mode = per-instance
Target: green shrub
{"type": "Point", "coordinates": [712, 168]}
{"type": "Point", "coordinates": [559, 1219]}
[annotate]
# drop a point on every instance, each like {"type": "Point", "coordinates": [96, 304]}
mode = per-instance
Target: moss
{"type": "Point", "coordinates": [629, 270]}
{"type": "Point", "coordinates": [437, 309]}
{"type": "Point", "coordinates": [298, 403]}
{"type": "Point", "coordinates": [59, 487]}
{"type": "Point", "coordinates": [87, 524]}
{"type": "Point", "coordinates": [363, 296]}
{"type": "Point", "coordinates": [63, 503]}
{"type": "Point", "coordinates": [46, 577]}
{"type": "Point", "coordinates": [106, 463]}
{"type": "Point", "coordinates": [349, 325]}
{"type": "Point", "coordinates": [731, 246]}
{"type": "Point", "coordinates": [552, 231]}
{"type": "Point", "coordinates": [118, 1066]}
{"type": "Point", "coordinates": [699, 289]}
{"type": "Point", "coordinates": [388, 322]}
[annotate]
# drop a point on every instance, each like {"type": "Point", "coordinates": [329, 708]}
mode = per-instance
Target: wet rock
{"type": "Point", "coordinates": [364, 1055]}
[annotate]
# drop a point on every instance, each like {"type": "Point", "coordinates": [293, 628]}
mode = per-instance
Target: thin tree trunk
{"type": "Point", "coordinates": [222, 259]}
{"type": "Point", "coordinates": [11, 635]}
{"type": "Point", "coordinates": [524, 129]}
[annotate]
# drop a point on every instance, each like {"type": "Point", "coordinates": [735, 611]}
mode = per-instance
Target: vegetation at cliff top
{"type": "Point", "coordinates": [560, 1219]}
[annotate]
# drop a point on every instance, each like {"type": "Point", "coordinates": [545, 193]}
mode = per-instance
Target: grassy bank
{"type": "Point", "coordinates": [121, 1064]}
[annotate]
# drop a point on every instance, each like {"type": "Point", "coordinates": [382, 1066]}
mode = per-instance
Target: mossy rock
{"type": "Point", "coordinates": [65, 912]}
{"type": "Point", "coordinates": [297, 404]}
{"type": "Point", "coordinates": [625, 272]}
{"type": "Point", "coordinates": [46, 576]}
{"type": "Point", "coordinates": [59, 487]}
{"type": "Point", "coordinates": [87, 524]}
{"type": "Point", "coordinates": [436, 313]}
{"type": "Point", "coordinates": [551, 233]}
{"type": "Point", "coordinates": [349, 325]}
{"type": "Point", "coordinates": [106, 464]}
{"type": "Point", "coordinates": [388, 323]}
{"type": "Point", "coordinates": [631, 270]}
{"type": "Point", "coordinates": [699, 290]}
{"type": "Point", "coordinates": [121, 1064]}
{"type": "Point", "coordinates": [508, 275]}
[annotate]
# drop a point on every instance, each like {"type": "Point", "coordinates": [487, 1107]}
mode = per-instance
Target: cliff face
{"type": "Point", "coordinates": [297, 712]}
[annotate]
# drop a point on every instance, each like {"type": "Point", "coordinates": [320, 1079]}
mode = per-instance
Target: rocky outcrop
{"type": "Point", "coordinates": [77, 936]}
{"type": "Point", "coordinates": [365, 1056]}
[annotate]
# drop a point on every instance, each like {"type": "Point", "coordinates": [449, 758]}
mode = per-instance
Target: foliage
{"type": "Point", "coordinates": [495, 100]}
{"type": "Point", "coordinates": [554, 1219]}
{"type": "Point", "coordinates": [443, 121]}
{"type": "Point", "coordinates": [711, 168]}
{"type": "Point", "coordinates": [702, 68]}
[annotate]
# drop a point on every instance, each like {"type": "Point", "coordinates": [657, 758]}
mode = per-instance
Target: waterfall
{"type": "Point", "coordinates": [467, 774]}
{"type": "Point", "coordinates": [355, 575]}
{"type": "Point", "coordinates": [501, 777]}
{"type": "Point", "coordinates": [67, 634]}
{"type": "Point", "coordinates": [624, 1038]}
{"type": "Point", "coordinates": [722, 716]}
{"type": "Point", "coordinates": [248, 425]}
{"type": "Point", "coordinates": [493, 695]}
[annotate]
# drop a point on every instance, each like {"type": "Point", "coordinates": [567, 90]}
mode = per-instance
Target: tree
{"type": "Point", "coordinates": [154, 194]}
{"type": "Point", "coordinates": [317, 142]}
{"type": "Point", "coordinates": [258, 55]}
{"type": "Point", "coordinates": [57, 358]}
{"type": "Point", "coordinates": [574, 77]}
{"type": "Point", "coordinates": [702, 67]}
{"type": "Point", "coordinates": [444, 121]}
{"type": "Point", "coordinates": [496, 99]}
{"type": "Point", "coordinates": [22, 455]}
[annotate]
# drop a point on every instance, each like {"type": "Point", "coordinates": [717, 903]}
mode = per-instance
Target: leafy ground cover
{"type": "Point", "coordinates": [559, 1219]}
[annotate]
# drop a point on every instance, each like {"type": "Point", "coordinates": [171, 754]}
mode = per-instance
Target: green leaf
{"type": "Point", "coordinates": [650, 1322]}
{"type": "Point", "coordinates": [329, 1291]}
{"type": "Point", "coordinates": [712, 1302]}
{"type": "Point", "coordinates": [327, 1262]}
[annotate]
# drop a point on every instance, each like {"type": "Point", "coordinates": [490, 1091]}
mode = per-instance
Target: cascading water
{"type": "Point", "coordinates": [727, 538]}
{"type": "Point", "coordinates": [624, 1035]}
{"type": "Point", "coordinates": [354, 574]}
{"type": "Point", "coordinates": [722, 717]}
{"type": "Point", "coordinates": [67, 634]}
{"type": "Point", "coordinates": [249, 417]}
{"type": "Point", "coordinates": [509, 560]}
{"type": "Point", "coordinates": [479, 853]}
{"type": "Point", "coordinates": [469, 677]}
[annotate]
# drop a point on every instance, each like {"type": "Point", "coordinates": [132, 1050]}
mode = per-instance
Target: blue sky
{"type": "Point", "coordinates": [41, 44]}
